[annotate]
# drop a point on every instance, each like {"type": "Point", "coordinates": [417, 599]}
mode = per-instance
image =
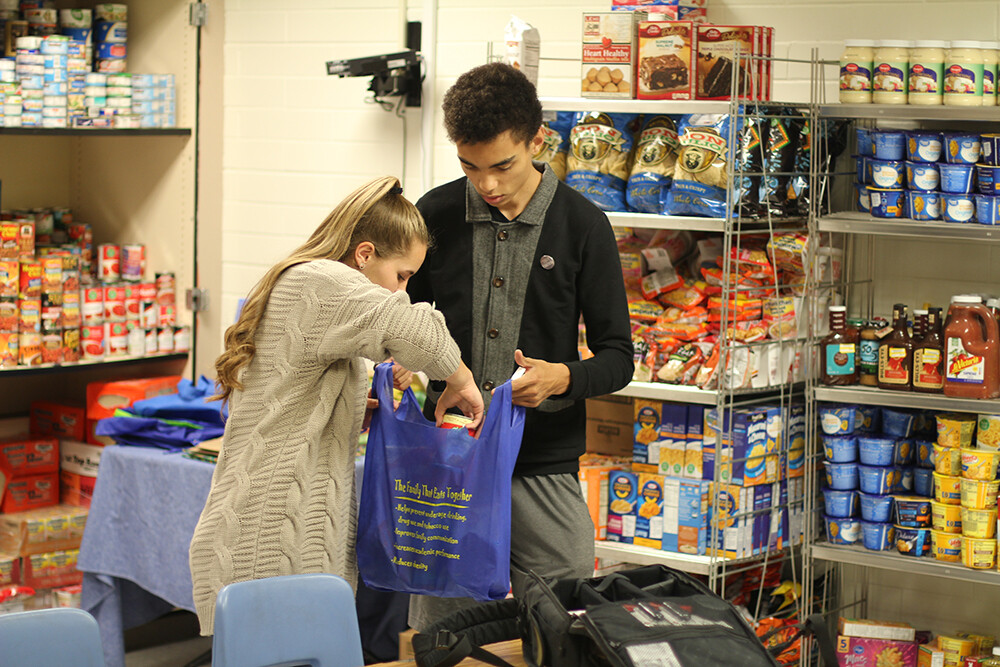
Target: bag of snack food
{"type": "Point", "coordinates": [783, 137]}
{"type": "Point", "coordinates": [598, 161]}
{"type": "Point", "coordinates": [682, 365]}
{"type": "Point", "coordinates": [701, 175]}
{"type": "Point", "coordinates": [653, 169]}
{"type": "Point", "coordinates": [555, 141]}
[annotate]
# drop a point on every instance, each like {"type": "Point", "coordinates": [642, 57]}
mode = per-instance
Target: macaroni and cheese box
{"type": "Point", "coordinates": [795, 454]}
{"type": "Point", "coordinates": [685, 515]}
{"type": "Point", "coordinates": [693, 442]}
{"type": "Point", "coordinates": [867, 652]}
{"type": "Point", "coordinates": [666, 62]}
{"type": "Point", "coordinates": [660, 434]}
{"type": "Point", "coordinates": [649, 522]}
{"type": "Point", "coordinates": [749, 520]}
{"type": "Point", "coordinates": [744, 444]}
{"type": "Point", "coordinates": [623, 493]}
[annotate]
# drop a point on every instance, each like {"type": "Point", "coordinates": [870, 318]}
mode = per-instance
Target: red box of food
{"type": "Point", "coordinates": [29, 456]}
{"type": "Point", "coordinates": [76, 489]}
{"type": "Point", "coordinates": [51, 570]}
{"type": "Point", "coordinates": [10, 569]}
{"type": "Point", "coordinates": [103, 398]}
{"type": "Point", "coordinates": [666, 67]}
{"type": "Point", "coordinates": [58, 419]}
{"type": "Point", "coordinates": [30, 492]}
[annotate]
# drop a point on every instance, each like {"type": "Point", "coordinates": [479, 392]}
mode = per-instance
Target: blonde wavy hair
{"type": "Point", "coordinates": [376, 212]}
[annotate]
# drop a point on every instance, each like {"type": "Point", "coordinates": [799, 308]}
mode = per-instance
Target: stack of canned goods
{"type": "Point", "coordinates": [110, 37]}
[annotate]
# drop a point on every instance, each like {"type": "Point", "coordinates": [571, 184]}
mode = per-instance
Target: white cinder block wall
{"type": "Point", "coordinates": [296, 141]}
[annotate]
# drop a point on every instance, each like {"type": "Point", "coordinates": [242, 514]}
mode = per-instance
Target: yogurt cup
{"type": "Point", "coordinates": [923, 482]}
{"type": "Point", "coordinates": [946, 546]}
{"type": "Point", "coordinates": [961, 147]}
{"type": "Point", "coordinates": [922, 176]}
{"type": "Point", "coordinates": [837, 419]}
{"type": "Point", "coordinates": [875, 507]}
{"type": "Point", "coordinates": [946, 518]}
{"type": "Point", "coordinates": [958, 208]}
{"type": "Point", "coordinates": [877, 536]}
{"type": "Point", "coordinates": [897, 423]}
{"type": "Point", "coordinates": [979, 494]}
{"type": "Point", "coordinates": [889, 144]}
{"type": "Point", "coordinates": [988, 178]}
{"type": "Point", "coordinates": [841, 476]}
{"type": "Point", "coordinates": [887, 174]}
{"type": "Point", "coordinates": [923, 146]}
{"type": "Point", "coordinates": [979, 463]}
{"type": "Point", "coordinates": [887, 203]}
{"type": "Point", "coordinates": [990, 144]}
{"type": "Point", "coordinates": [956, 178]}
{"type": "Point", "coordinates": [947, 489]}
{"type": "Point", "coordinates": [864, 204]}
{"type": "Point", "coordinates": [841, 504]}
{"type": "Point", "coordinates": [988, 209]}
{"type": "Point", "coordinates": [842, 531]}
{"type": "Point", "coordinates": [978, 553]}
{"type": "Point", "coordinates": [913, 541]}
{"type": "Point", "coordinates": [840, 448]}
{"type": "Point", "coordinates": [979, 523]}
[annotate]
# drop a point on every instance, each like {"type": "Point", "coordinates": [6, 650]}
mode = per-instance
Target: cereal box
{"type": "Point", "coordinates": [649, 522]}
{"type": "Point", "coordinates": [866, 652]}
{"type": "Point", "coordinates": [666, 60]}
{"type": "Point", "coordinates": [622, 500]}
{"type": "Point", "coordinates": [609, 54]}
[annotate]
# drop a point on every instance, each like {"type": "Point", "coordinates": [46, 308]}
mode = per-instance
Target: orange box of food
{"type": "Point", "coordinates": [52, 569]}
{"type": "Point", "coordinates": [76, 489]}
{"type": "Point", "coordinates": [103, 398]}
{"type": "Point", "coordinates": [594, 484]}
{"type": "Point", "coordinates": [25, 455]}
{"type": "Point", "coordinates": [58, 419]}
{"type": "Point", "coordinates": [30, 492]}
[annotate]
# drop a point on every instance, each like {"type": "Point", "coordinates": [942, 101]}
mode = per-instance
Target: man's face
{"type": "Point", "coordinates": [501, 171]}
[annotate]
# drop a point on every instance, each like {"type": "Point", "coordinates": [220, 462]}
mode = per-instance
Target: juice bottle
{"type": "Point", "coordinates": [972, 350]}
{"type": "Point", "coordinates": [839, 351]}
{"type": "Point", "coordinates": [928, 357]}
{"type": "Point", "coordinates": [895, 354]}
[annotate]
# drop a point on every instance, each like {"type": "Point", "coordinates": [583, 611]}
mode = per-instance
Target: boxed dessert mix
{"type": "Point", "coordinates": [609, 54]}
{"type": "Point", "coordinates": [666, 60]}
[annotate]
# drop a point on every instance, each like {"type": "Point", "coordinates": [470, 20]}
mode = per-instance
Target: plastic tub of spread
{"type": "Point", "coordinates": [837, 419]}
{"type": "Point", "coordinates": [978, 553]}
{"type": "Point", "coordinates": [923, 482]}
{"type": "Point", "coordinates": [841, 476]}
{"type": "Point", "coordinates": [947, 489]}
{"type": "Point", "coordinates": [887, 174]}
{"type": "Point", "coordinates": [875, 451]}
{"type": "Point", "coordinates": [886, 203]}
{"type": "Point", "coordinates": [877, 536]}
{"type": "Point", "coordinates": [958, 208]}
{"type": "Point", "coordinates": [979, 523]}
{"type": "Point", "coordinates": [922, 176]}
{"type": "Point", "coordinates": [925, 453]}
{"type": "Point", "coordinates": [865, 145]}
{"type": "Point", "coordinates": [955, 430]}
{"type": "Point", "coordinates": [988, 178]}
{"type": "Point", "coordinates": [876, 479]}
{"type": "Point", "coordinates": [990, 144]}
{"type": "Point", "coordinates": [946, 518]}
{"type": "Point", "coordinates": [889, 144]}
{"type": "Point", "coordinates": [988, 209]}
{"type": "Point", "coordinates": [912, 511]}
{"type": "Point", "coordinates": [946, 546]}
{"type": "Point", "coordinates": [898, 423]}
{"type": "Point", "coordinates": [842, 531]}
{"type": "Point", "coordinates": [841, 504]}
{"type": "Point", "coordinates": [913, 541]}
{"type": "Point", "coordinates": [947, 460]}
{"type": "Point", "coordinates": [875, 507]}
{"type": "Point", "coordinates": [840, 448]}
{"type": "Point", "coordinates": [923, 146]}
{"type": "Point", "coordinates": [979, 463]}
{"type": "Point", "coordinates": [979, 494]}
{"type": "Point", "coordinates": [864, 203]}
{"type": "Point", "coordinates": [961, 147]}
{"type": "Point", "coordinates": [956, 178]}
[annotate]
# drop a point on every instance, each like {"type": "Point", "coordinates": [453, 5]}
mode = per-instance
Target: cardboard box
{"type": "Point", "coordinates": [744, 444]}
{"type": "Point", "coordinates": [51, 569]}
{"type": "Point", "coordinates": [666, 66]}
{"type": "Point", "coordinates": [622, 501]}
{"type": "Point", "coordinates": [406, 644]}
{"type": "Point", "coordinates": [59, 420]}
{"type": "Point", "coordinates": [694, 434]}
{"type": "Point", "coordinates": [717, 49]}
{"type": "Point", "coordinates": [685, 516]}
{"type": "Point", "coordinates": [30, 492]}
{"type": "Point", "coordinates": [25, 455]}
{"type": "Point", "coordinates": [855, 627]}
{"type": "Point", "coordinates": [609, 425]}
{"type": "Point", "coordinates": [930, 656]}
{"type": "Point", "coordinates": [103, 398]}
{"type": "Point", "coordinates": [649, 519]}
{"type": "Point", "coordinates": [594, 486]}
{"type": "Point", "coordinates": [75, 489]}
{"type": "Point", "coordinates": [796, 452]}
{"type": "Point", "coordinates": [79, 458]}
{"type": "Point", "coordinates": [865, 652]}
{"type": "Point", "coordinates": [609, 54]}
{"type": "Point", "coordinates": [42, 530]}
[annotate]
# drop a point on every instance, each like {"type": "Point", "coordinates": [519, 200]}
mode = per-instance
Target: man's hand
{"type": "Point", "coordinates": [541, 379]}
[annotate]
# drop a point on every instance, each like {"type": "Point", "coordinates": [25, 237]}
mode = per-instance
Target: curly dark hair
{"type": "Point", "coordinates": [489, 100]}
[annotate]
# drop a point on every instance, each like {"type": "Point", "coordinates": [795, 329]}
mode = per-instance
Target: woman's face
{"type": "Point", "coordinates": [393, 273]}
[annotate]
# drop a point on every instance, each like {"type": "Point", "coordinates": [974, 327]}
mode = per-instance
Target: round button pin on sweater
{"type": "Point", "coordinates": [547, 262]}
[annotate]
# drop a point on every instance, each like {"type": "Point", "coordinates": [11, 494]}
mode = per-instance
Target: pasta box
{"type": "Point", "coordinates": [666, 67]}
{"type": "Point", "coordinates": [649, 511]}
{"type": "Point", "coordinates": [608, 58]}
{"type": "Point", "coordinates": [868, 652]}
{"type": "Point", "coordinates": [622, 501]}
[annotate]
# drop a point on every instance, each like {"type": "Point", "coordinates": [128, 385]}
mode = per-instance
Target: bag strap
{"type": "Point", "coordinates": [446, 649]}
{"type": "Point", "coordinates": [462, 633]}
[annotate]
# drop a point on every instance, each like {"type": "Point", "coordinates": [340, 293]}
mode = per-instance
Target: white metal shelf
{"type": "Point", "coordinates": [890, 560]}
{"type": "Point", "coordinates": [92, 363]}
{"type": "Point", "coordinates": [652, 221]}
{"type": "Point", "coordinates": [910, 112]}
{"type": "Point", "coordinates": [905, 399]}
{"type": "Point", "coordinates": [662, 391]}
{"type": "Point", "coordinates": [856, 222]}
{"type": "Point", "coordinates": [634, 106]}
{"type": "Point", "coordinates": [690, 563]}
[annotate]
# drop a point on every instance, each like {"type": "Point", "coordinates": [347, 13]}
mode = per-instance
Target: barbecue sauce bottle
{"type": "Point", "coordinates": [895, 354]}
{"type": "Point", "coordinates": [839, 351]}
{"type": "Point", "coordinates": [928, 356]}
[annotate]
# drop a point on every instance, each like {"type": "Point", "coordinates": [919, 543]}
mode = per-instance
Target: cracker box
{"type": "Point", "coordinates": [666, 67]}
{"type": "Point", "coordinates": [930, 656]}
{"type": "Point", "coordinates": [58, 419]}
{"type": "Point", "coordinates": [609, 54]}
{"type": "Point", "coordinates": [866, 652]}
{"type": "Point", "coordinates": [649, 519]}
{"type": "Point", "coordinates": [623, 492]}
{"type": "Point", "coordinates": [718, 48]}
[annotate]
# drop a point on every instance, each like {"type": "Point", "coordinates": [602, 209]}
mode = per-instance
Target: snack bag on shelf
{"type": "Point", "coordinates": [701, 175]}
{"type": "Point", "coordinates": [555, 131]}
{"type": "Point", "coordinates": [653, 169]}
{"type": "Point", "coordinates": [598, 161]}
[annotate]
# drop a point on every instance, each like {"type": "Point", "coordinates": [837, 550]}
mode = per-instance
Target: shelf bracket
{"type": "Point", "coordinates": [196, 299]}
{"type": "Point", "coordinates": [199, 14]}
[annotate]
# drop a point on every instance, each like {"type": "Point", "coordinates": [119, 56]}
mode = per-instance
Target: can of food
{"type": "Point", "coordinates": [29, 315]}
{"type": "Point", "coordinates": [71, 309]}
{"type": "Point", "coordinates": [75, 18]}
{"type": "Point", "coordinates": [136, 338]}
{"type": "Point", "coordinates": [109, 11]}
{"type": "Point", "coordinates": [149, 314]}
{"type": "Point", "coordinates": [133, 262]}
{"type": "Point", "coordinates": [51, 273]}
{"type": "Point", "coordinates": [29, 348]}
{"type": "Point", "coordinates": [111, 65]}
{"type": "Point", "coordinates": [109, 262]}
{"type": "Point", "coordinates": [165, 339]}
{"type": "Point", "coordinates": [52, 313]}
{"type": "Point", "coordinates": [115, 338]}
{"type": "Point", "coordinates": [147, 291]}
{"type": "Point", "coordinates": [30, 278]}
{"type": "Point", "coordinates": [166, 289]}
{"type": "Point", "coordinates": [92, 308]}
{"type": "Point", "coordinates": [92, 341]}
{"type": "Point", "coordinates": [182, 339]}
{"type": "Point", "coordinates": [52, 347]}
{"type": "Point", "coordinates": [152, 341]}
{"type": "Point", "coordinates": [8, 314]}
{"type": "Point", "coordinates": [454, 421]}
{"type": "Point", "coordinates": [114, 303]}
{"type": "Point", "coordinates": [9, 277]}
{"type": "Point", "coordinates": [167, 316]}
{"type": "Point", "coordinates": [8, 349]}
{"type": "Point", "coordinates": [71, 345]}
{"type": "Point", "coordinates": [133, 307]}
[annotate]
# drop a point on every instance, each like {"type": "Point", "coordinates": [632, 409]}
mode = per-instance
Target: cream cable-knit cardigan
{"type": "Point", "coordinates": [282, 499]}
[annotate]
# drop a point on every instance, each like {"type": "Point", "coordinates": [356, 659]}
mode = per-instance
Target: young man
{"type": "Point", "coordinates": [518, 257]}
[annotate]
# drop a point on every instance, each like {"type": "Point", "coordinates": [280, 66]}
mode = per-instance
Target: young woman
{"type": "Point", "coordinates": [282, 499]}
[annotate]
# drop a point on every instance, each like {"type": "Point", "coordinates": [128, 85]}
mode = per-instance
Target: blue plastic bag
{"type": "Point", "coordinates": [435, 503]}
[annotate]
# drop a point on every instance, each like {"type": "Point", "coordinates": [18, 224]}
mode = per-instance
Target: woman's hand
{"type": "Point", "coordinates": [462, 393]}
{"type": "Point", "coordinates": [401, 377]}
{"type": "Point", "coordinates": [370, 408]}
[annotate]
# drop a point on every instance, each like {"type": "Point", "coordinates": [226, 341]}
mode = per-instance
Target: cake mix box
{"type": "Point", "coordinates": [717, 49]}
{"type": "Point", "coordinates": [609, 54]}
{"type": "Point", "coordinates": [666, 67]}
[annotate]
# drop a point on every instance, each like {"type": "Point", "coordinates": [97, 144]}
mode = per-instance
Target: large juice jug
{"type": "Point", "coordinates": [972, 350]}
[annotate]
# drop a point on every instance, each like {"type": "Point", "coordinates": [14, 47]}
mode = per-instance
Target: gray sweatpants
{"type": "Point", "coordinates": [550, 533]}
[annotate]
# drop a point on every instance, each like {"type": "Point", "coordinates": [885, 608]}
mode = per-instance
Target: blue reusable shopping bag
{"type": "Point", "coordinates": [435, 503]}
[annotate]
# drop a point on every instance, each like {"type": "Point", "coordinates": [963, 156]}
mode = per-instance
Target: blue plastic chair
{"type": "Point", "coordinates": [299, 619]}
{"type": "Point", "coordinates": [61, 637]}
